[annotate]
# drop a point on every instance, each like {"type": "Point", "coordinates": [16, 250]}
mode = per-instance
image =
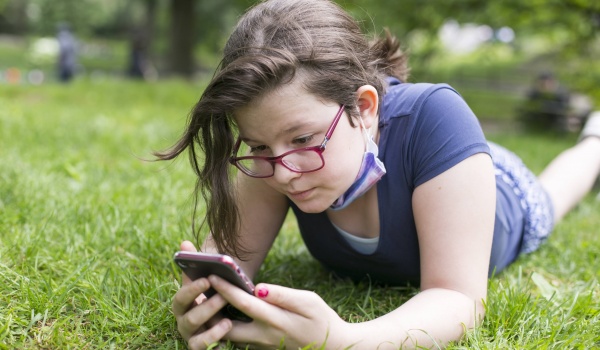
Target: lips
{"type": "Point", "coordinates": [300, 195]}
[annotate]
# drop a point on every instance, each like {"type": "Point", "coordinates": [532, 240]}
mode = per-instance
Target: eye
{"type": "Point", "coordinates": [258, 149]}
{"type": "Point", "coordinates": [303, 141]}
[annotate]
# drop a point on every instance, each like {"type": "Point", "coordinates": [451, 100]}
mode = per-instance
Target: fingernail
{"type": "Point", "coordinates": [262, 292]}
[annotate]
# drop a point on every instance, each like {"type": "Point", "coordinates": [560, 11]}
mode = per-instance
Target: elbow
{"type": "Point", "coordinates": [479, 313]}
{"type": "Point", "coordinates": [472, 312]}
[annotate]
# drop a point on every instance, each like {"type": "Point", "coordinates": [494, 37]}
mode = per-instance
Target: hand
{"type": "Point", "coordinates": [282, 315]}
{"type": "Point", "coordinates": [197, 318]}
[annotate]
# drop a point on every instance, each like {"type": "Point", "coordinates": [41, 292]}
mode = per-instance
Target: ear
{"type": "Point", "coordinates": [368, 104]}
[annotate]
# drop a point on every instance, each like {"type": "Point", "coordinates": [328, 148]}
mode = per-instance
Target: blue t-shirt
{"type": "Point", "coordinates": [425, 129]}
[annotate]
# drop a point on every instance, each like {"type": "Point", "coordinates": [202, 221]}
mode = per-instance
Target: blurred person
{"type": "Point", "coordinates": [138, 60]}
{"type": "Point", "coordinates": [547, 105]}
{"type": "Point", "coordinates": [67, 53]}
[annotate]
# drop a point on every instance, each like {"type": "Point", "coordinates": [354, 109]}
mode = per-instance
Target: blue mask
{"type": "Point", "coordinates": [371, 171]}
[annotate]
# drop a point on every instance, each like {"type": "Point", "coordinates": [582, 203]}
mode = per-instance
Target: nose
{"type": "Point", "coordinates": [283, 175]}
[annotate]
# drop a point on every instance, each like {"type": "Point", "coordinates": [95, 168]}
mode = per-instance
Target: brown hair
{"type": "Point", "coordinates": [272, 43]}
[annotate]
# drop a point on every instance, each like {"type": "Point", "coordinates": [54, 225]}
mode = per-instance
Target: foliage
{"type": "Point", "coordinates": [564, 31]}
{"type": "Point", "coordinates": [579, 19]}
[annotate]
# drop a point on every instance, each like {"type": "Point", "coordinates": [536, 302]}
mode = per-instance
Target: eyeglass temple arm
{"type": "Point", "coordinates": [235, 149]}
{"type": "Point", "coordinates": [332, 127]}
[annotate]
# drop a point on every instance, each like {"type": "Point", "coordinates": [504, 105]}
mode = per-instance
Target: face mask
{"type": "Point", "coordinates": [371, 170]}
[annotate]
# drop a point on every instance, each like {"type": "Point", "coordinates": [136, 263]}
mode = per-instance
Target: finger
{"type": "Point", "coordinates": [211, 336]}
{"type": "Point", "coordinates": [237, 297]}
{"type": "Point", "coordinates": [244, 332]}
{"type": "Point", "coordinates": [188, 246]}
{"type": "Point", "coordinates": [295, 300]}
{"type": "Point", "coordinates": [187, 294]}
{"type": "Point", "coordinates": [201, 317]}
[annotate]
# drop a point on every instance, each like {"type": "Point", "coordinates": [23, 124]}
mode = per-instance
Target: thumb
{"type": "Point", "coordinates": [294, 300]}
{"type": "Point", "coordinates": [188, 246]}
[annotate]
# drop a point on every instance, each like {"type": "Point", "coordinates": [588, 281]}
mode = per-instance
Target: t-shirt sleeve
{"type": "Point", "coordinates": [445, 132]}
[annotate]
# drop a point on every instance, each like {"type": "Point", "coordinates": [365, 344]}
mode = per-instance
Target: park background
{"type": "Point", "coordinates": [88, 224]}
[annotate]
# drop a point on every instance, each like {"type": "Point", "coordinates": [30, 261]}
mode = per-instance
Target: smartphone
{"type": "Point", "coordinates": [196, 265]}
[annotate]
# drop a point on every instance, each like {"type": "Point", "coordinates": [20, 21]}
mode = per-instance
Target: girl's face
{"type": "Point", "coordinates": [290, 118]}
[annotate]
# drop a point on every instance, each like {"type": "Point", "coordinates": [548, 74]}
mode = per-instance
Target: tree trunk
{"type": "Point", "coordinates": [182, 35]}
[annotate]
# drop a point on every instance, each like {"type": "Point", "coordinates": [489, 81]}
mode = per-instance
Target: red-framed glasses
{"type": "Point", "coordinates": [301, 160]}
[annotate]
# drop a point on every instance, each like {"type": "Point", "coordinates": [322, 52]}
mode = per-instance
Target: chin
{"type": "Point", "coordinates": [312, 207]}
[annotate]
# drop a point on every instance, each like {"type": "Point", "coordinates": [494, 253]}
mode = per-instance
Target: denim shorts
{"type": "Point", "coordinates": [536, 203]}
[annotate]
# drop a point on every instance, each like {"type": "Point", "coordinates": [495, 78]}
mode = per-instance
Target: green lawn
{"type": "Point", "coordinates": [88, 227]}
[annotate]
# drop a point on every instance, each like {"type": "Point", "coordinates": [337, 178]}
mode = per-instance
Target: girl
{"type": "Point", "coordinates": [387, 179]}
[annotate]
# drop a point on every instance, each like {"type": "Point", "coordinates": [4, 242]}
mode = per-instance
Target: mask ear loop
{"type": "Point", "coordinates": [365, 133]}
{"type": "Point", "coordinates": [362, 124]}
{"type": "Point", "coordinates": [369, 139]}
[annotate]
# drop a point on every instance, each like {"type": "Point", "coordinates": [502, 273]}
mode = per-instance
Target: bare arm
{"type": "Point", "coordinates": [454, 213]}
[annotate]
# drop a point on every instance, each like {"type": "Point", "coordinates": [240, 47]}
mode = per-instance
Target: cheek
{"type": "Point", "coordinates": [343, 165]}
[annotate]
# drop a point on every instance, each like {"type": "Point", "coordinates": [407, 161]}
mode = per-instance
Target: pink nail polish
{"type": "Point", "coordinates": [262, 292]}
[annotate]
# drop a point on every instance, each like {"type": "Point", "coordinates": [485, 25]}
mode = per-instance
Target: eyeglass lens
{"type": "Point", "coordinates": [298, 161]}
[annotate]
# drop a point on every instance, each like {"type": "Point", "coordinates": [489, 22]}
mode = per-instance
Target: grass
{"type": "Point", "coordinates": [88, 229]}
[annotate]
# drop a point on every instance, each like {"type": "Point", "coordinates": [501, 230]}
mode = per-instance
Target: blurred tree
{"type": "Point", "coordinates": [13, 16]}
{"type": "Point", "coordinates": [203, 23]}
{"type": "Point", "coordinates": [182, 37]}
{"type": "Point", "coordinates": [84, 17]}
{"type": "Point", "coordinates": [577, 19]}
{"type": "Point", "coordinates": [571, 26]}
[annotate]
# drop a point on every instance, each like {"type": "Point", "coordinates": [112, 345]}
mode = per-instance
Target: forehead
{"type": "Point", "coordinates": [286, 108]}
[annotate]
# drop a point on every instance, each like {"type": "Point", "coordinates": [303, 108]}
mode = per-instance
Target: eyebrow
{"type": "Point", "coordinates": [286, 131]}
{"type": "Point", "coordinates": [294, 128]}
